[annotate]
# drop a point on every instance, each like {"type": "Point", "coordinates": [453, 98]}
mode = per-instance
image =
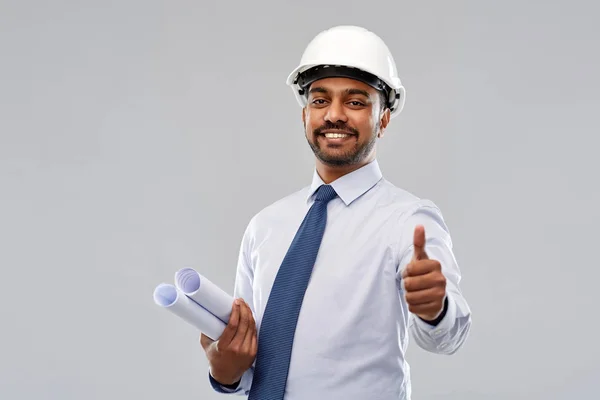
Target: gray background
{"type": "Point", "coordinates": [138, 137]}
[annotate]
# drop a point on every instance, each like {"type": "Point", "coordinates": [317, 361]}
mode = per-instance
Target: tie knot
{"type": "Point", "coordinates": [326, 193]}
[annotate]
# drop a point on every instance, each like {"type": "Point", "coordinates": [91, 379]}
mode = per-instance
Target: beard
{"type": "Point", "coordinates": [354, 155]}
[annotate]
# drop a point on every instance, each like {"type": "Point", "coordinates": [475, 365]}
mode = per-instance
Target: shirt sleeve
{"type": "Point", "coordinates": [240, 388]}
{"type": "Point", "coordinates": [447, 334]}
{"type": "Point", "coordinates": [243, 288]}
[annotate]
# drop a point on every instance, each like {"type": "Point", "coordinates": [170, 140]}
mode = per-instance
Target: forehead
{"type": "Point", "coordinates": [341, 86]}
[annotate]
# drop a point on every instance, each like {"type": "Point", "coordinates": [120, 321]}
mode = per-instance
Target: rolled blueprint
{"type": "Point", "coordinates": [204, 292]}
{"type": "Point", "coordinates": [172, 299]}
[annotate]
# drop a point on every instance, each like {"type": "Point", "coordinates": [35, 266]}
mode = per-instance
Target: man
{"type": "Point", "coordinates": [331, 279]}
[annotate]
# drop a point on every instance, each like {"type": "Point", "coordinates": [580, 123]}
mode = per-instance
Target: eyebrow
{"type": "Point", "coordinates": [320, 89]}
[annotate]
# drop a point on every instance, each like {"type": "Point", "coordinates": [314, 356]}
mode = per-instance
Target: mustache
{"type": "Point", "coordinates": [337, 126]}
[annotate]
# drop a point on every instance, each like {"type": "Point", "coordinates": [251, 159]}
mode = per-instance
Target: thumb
{"type": "Point", "coordinates": [419, 243]}
{"type": "Point", "coordinates": [205, 341]}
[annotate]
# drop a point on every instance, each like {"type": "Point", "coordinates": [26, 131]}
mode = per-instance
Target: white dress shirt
{"type": "Point", "coordinates": [352, 332]}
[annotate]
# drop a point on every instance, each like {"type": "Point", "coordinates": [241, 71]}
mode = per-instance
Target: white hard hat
{"type": "Point", "coordinates": [352, 52]}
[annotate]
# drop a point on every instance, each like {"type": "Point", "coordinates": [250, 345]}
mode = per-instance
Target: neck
{"type": "Point", "coordinates": [330, 173]}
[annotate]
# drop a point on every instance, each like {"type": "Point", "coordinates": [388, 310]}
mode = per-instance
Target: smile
{"type": "Point", "coordinates": [336, 135]}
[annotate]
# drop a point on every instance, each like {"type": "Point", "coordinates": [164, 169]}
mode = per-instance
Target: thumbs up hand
{"type": "Point", "coordinates": [424, 283]}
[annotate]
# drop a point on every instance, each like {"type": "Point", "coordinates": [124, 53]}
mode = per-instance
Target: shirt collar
{"type": "Point", "coordinates": [350, 186]}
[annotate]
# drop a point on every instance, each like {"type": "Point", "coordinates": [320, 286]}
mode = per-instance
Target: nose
{"type": "Point", "coordinates": [335, 112]}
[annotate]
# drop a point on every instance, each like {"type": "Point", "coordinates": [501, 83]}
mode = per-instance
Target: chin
{"type": "Point", "coordinates": [334, 161]}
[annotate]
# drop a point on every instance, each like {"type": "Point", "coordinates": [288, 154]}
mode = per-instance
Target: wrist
{"type": "Point", "coordinates": [225, 379]}
{"type": "Point", "coordinates": [436, 319]}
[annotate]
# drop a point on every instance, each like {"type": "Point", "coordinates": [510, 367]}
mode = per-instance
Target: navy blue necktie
{"type": "Point", "coordinates": [278, 324]}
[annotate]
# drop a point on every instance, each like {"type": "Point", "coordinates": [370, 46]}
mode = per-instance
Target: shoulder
{"type": "Point", "coordinates": [405, 203]}
{"type": "Point", "coordinates": [278, 211]}
{"type": "Point", "coordinates": [411, 211]}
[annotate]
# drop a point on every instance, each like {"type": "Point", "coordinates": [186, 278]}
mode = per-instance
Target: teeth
{"type": "Point", "coordinates": [335, 135]}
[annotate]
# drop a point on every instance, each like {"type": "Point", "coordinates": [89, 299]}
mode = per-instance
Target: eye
{"type": "Point", "coordinates": [356, 103]}
{"type": "Point", "coordinates": [319, 103]}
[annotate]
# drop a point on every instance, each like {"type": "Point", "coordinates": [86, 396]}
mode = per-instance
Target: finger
{"type": "Point", "coordinates": [425, 296]}
{"type": "Point", "coordinates": [254, 348]}
{"type": "Point", "coordinates": [422, 282]}
{"type": "Point", "coordinates": [428, 308]}
{"type": "Point", "coordinates": [231, 328]}
{"type": "Point", "coordinates": [419, 243]}
{"type": "Point", "coordinates": [240, 335]}
{"type": "Point", "coordinates": [416, 283]}
{"type": "Point", "coordinates": [251, 324]}
{"type": "Point", "coordinates": [250, 334]}
{"type": "Point", "coordinates": [421, 267]}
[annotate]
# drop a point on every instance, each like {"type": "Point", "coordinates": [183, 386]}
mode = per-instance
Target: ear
{"type": "Point", "coordinates": [304, 116]}
{"type": "Point", "coordinates": [383, 122]}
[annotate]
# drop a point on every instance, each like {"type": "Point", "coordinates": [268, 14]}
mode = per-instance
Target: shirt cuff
{"type": "Point", "coordinates": [223, 388]}
{"type": "Point", "coordinates": [446, 322]}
